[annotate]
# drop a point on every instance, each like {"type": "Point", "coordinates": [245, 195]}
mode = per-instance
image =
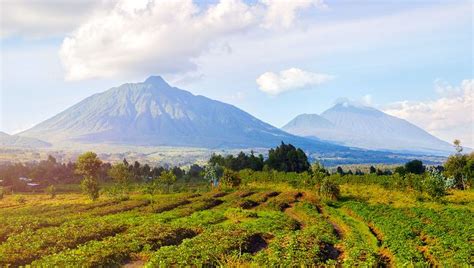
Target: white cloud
{"type": "Point", "coordinates": [448, 117]}
{"type": "Point", "coordinates": [283, 12]}
{"type": "Point", "coordinates": [290, 79]}
{"type": "Point", "coordinates": [160, 36]}
{"type": "Point", "coordinates": [36, 19]}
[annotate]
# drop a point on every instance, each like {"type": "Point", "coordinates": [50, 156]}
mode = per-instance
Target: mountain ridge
{"type": "Point", "coordinates": [153, 113]}
{"type": "Point", "coordinates": [368, 128]}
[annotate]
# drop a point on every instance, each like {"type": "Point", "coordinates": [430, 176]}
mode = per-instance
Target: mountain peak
{"type": "Point", "coordinates": [156, 80]}
{"type": "Point", "coordinates": [357, 125]}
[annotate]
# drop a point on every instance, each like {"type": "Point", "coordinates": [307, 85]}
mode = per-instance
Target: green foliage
{"type": "Point", "coordinates": [329, 190]}
{"type": "Point", "coordinates": [1, 193]}
{"type": "Point", "coordinates": [242, 161]}
{"type": "Point", "coordinates": [90, 186]}
{"type": "Point", "coordinates": [51, 190]}
{"type": "Point", "coordinates": [288, 159]}
{"type": "Point", "coordinates": [212, 173]}
{"type": "Point", "coordinates": [120, 173]}
{"type": "Point", "coordinates": [415, 167]}
{"type": "Point", "coordinates": [435, 185]}
{"type": "Point", "coordinates": [88, 165]}
{"type": "Point", "coordinates": [230, 178]}
{"type": "Point", "coordinates": [400, 170]}
{"type": "Point", "coordinates": [122, 176]}
{"type": "Point", "coordinates": [167, 178]}
{"type": "Point", "coordinates": [461, 168]}
{"type": "Point", "coordinates": [113, 250]}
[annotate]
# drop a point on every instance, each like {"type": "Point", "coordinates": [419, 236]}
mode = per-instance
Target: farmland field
{"type": "Point", "coordinates": [258, 224]}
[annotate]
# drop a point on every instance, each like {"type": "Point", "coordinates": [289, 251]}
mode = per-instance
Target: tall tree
{"type": "Point", "coordinates": [287, 158]}
{"type": "Point", "coordinates": [88, 165]}
{"type": "Point", "coordinates": [415, 167]}
{"type": "Point", "coordinates": [121, 175]}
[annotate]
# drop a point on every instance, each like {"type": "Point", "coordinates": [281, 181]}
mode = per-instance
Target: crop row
{"type": "Point", "coordinates": [115, 250]}
{"type": "Point", "coordinates": [29, 245]}
{"type": "Point", "coordinates": [15, 225]}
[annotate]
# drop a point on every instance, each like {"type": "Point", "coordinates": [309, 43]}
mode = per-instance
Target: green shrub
{"type": "Point", "coordinates": [329, 190]}
{"type": "Point", "coordinates": [435, 185]}
{"type": "Point", "coordinates": [51, 190]}
{"type": "Point", "coordinates": [90, 186]}
{"type": "Point", "coordinates": [1, 193]}
{"type": "Point", "coordinates": [230, 178]}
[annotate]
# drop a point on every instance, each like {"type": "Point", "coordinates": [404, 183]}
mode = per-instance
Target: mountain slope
{"type": "Point", "coordinates": [365, 127]}
{"type": "Point", "coordinates": [153, 113]}
{"type": "Point", "coordinates": [23, 142]}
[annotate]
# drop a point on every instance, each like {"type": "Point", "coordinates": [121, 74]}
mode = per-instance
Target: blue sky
{"type": "Point", "coordinates": [412, 60]}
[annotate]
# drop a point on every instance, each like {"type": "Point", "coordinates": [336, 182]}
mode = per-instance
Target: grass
{"type": "Point", "coordinates": [260, 224]}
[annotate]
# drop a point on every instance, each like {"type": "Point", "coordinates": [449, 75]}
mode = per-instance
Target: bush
{"type": "Point", "coordinates": [51, 190]}
{"type": "Point", "coordinates": [230, 178]}
{"type": "Point", "coordinates": [435, 185]}
{"type": "Point", "coordinates": [1, 193]}
{"type": "Point", "coordinates": [329, 190]}
{"type": "Point", "coordinates": [90, 186]}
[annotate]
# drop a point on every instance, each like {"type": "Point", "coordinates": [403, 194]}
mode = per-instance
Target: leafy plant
{"type": "Point", "coordinates": [51, 190]}
{"type": "Point", "coordinates": [329, 189]}
{"type": "Point", "coordinates": [230, 178]}
{"type": "Point", "coordinates": [435, 185]}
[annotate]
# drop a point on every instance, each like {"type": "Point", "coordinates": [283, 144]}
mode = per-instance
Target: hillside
{"type": "Point", "coordinates": [7, 140]}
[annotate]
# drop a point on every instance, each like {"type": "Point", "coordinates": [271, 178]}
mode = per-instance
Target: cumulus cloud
{"type": "Point", "coordinates": [290, 79]}
{"type": "Point", "coordinates": [449, 117]}
{"type": "Point", "coordinates": [283, 12]}
{"type": "Point", "coordinates": [36, 19]}
{"type": "Point", "coordinates": [161, 36]}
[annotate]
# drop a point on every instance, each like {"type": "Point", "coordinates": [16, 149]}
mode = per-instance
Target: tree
{"type": "Point", "coordinates": [400, 170]}
{"type": "Point", "coordinates": [287, 158]}
{"type": "Point", "coordinates": [212, 173]}
{"type": "Point", "coordinates": [167, 178]}
{"type": "Point", "coordinates": [88, 165]}
{"type": "Point", "coordinates": [460, 167]}
{"type": "Point", "coordinates": [230, 178]}
{"type": "Point", "coordinates": [178, 172]}
{"type": "Point", "coordinates": [372, 170]}
{"type": "Point", "coordinates": [121, 175]}
{"type": "Point", "coordinates": [415, 167]}
{"type": "Point", "coordinates": [457, 146]}
{"type": "Point", "coordinates": [195, 171]}
{"type": "Point", "coordinates": [340, 171]}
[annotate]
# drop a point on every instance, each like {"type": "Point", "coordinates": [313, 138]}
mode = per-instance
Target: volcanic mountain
{"type": "Point", "coordinates": [365, 127]}
{"type": "Point", "coordinates": [153, 113]}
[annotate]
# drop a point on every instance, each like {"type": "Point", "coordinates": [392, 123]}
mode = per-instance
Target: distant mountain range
{"type": "Point", "coordinates": [153, 113]}
{"type": "Point", "coordinates": [7, 140]}
{"type": "Point", "coordinates": [365, 127]}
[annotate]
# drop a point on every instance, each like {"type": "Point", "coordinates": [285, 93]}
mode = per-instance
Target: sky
{"type": "Point", "coordinates": [272, 58]}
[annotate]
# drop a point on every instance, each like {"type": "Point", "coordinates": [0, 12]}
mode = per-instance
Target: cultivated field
{"type": "Point", "coordinates": [259, 224]}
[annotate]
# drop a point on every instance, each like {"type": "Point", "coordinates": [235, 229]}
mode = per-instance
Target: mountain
{"type": "Point", "coordinates": [153, 113]}
{"type": "Point", "coordinates": [7, 140]}
{"type": "Point", "coordinates": [365, 127]}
